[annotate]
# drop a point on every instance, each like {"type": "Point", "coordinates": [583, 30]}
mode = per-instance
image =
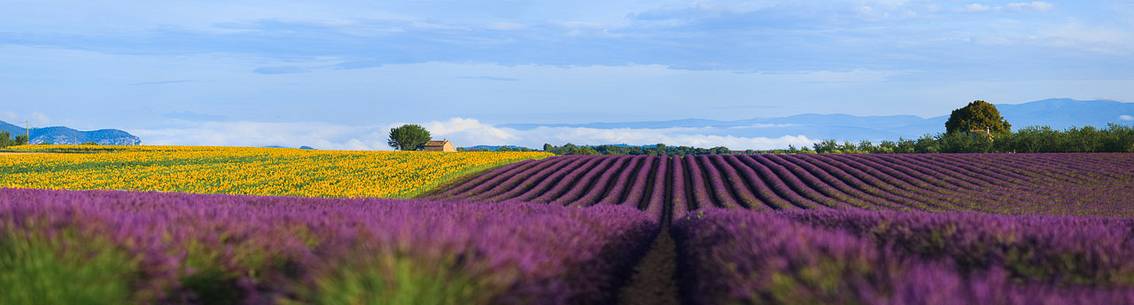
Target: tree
{"type": "Point", "coordinates": [408, 137]}
{"type": "Point", "coordinates": [548, 147]}
{"type": "Point", "coordinates": [978, 116]}
{"type": "Point", "coordinates": [826, 146]}
{"type": "Point", "coordinates": [927, 144]}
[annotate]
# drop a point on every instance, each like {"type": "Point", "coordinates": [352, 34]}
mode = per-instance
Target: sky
{"type": "Point", "coordinates": [337, 74]}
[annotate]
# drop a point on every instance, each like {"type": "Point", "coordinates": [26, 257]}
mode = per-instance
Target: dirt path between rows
{"type": "Point", "coordinates": [654, 281]}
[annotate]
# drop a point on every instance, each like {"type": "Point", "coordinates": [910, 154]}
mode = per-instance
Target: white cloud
{"type": "Point", "coordinates": [468, 132]}
{"type": "Point", "coordinates": [761, 126]}
{"type": "Point", "coordinates": [506, 26]}
{"type": "Point", "coordinates": [1126, 117]}
{"type": "Point", "coordinates": [1091, 38]}
{"type": "Point", "coordinates": [857, 75]}
{"type": "Point", "coordinates": [320, 135]}
{"type": "Point", "coordinates": [977, 7]}
{"type": "Point", "coordinates": [1038, 6]}
{"type": "Point", "coordinates": [462, 131]}
{"type": "Point", "coordinates": [470, 129]}
{"type": "Point", "coordinates": [670, 136]}
{"type": "Point", "coordinates": [1034, 6]}
{"type": "Point", "coordinates": [34, 118]}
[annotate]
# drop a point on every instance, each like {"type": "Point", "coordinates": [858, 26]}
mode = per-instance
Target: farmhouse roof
{"type": "Point", "coordinates": [436, 143]}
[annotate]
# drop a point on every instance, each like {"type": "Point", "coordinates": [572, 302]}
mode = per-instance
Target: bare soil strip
{"type": "Point", "coordinates": [654, 281]}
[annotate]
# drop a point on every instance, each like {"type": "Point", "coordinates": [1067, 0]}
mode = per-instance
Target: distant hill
{"type": "Point", "coordinates": [1057, 113]}
{"type": "Point", "coordinates": [494, 147]}
{"type": "Point", "coordinates": [1063, 113]}
{"type": "Point", "coordinates": [64, 135]}
{"type": "Point", "coordinates": [305, 147]}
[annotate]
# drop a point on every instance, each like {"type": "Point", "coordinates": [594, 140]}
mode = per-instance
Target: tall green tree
{"type": "Point", "coordinates": [408, 137]}
{"type": "Point", "coordinates": [978, 116]}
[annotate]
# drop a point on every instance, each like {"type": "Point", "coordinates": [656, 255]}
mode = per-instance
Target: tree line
{"type": "Point", "coordinates": [1113, 138]}
{"type": "Point", "coordinates": [979, 128]}
{"type": "Point", "coordinates": [414, 137]}
{"type": "Point", "coordinates": [7, 140]}
{"type": "Point", "coordinates": [1038, 139]}
{"type": "Point", "coordinates": [614, 150]}
{"type": "Point", "coordinates": [644, 150]}
{"type": "Point", "coordinates": [975, 128]}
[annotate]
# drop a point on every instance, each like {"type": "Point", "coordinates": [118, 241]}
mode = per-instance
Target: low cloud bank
{"type": "Point", "coordinates": [462, 131]}
{"type": "Point", "coordinates": [241, 133]}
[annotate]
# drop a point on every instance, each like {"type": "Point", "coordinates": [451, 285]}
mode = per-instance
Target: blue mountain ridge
{"type": "Point", "coordinates": [64, 135]}
{"type": "Point", "coordinates": [1056, 113]}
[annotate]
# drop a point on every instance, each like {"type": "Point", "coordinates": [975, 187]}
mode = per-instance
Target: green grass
{"type": "Point", "coordinates": [64, 269]}
{"type": "Point", "coordinates": [402, 280]}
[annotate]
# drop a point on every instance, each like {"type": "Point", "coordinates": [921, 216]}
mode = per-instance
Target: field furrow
{"type": "Point", "coordinates": [1078, 184]}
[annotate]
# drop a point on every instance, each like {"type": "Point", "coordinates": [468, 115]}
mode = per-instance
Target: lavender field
{"type": "Point", "coordinates": [94, 247]}
{"type": "Point", "coordinates": [626, 152]}
{"type": "Point", "coordinates": [857, 257]}
{"type": "Point", "coordinates": [1017, 184]}
{"type": "Point", "coordinates": [733, 229]}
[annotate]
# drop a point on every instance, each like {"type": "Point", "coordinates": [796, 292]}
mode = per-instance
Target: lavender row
{"type": "Point", "coordinates": [144, 248]}
{"type": "Point", "coordinates": [741, 257]}
{"type": "Point", "coordinates": [1065, 184]}
{"type": "Point", "coordinates": [598, 176]}
{"type": "Point", "coordinates": [1052, 250]}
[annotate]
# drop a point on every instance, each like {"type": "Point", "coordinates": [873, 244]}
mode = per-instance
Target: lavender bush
{"type": "Point", "coordinates": [215, 249]}
{"type": "Point", "coordinates": [1056, 250]}
{"type": "Point", "coordinates": [740, 257]}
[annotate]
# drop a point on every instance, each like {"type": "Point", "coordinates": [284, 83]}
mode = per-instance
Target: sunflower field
{"type": "Point", "coordinates": [242, 170]}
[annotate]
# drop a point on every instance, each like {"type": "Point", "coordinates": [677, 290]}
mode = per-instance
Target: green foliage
{"type": "Point", "coordinates": [505, 148]}
{"type": "Point", "coordinates": [823, 281]}
{"type": "Point", "coordinates": [1114, 138]}
{"type": "Point", "coordinates": [619, 150]}
{"type": "Point", "coordinates": [965, 142]}
{"type": "Point", "coordinates": [65, 269]}
{"type": "Point", "coordinates": [211, 275]}
{"type": "Point", "coordinates": [978, 116]}
{"type": "Point", "coordinates": [205, 280]}
{"type": "Point", "coordinates": [832, 146]}
{"type": "Point", "coordinates": [213, 287]}
{"type": "Point", "coordinates": [6, 139]}
{"type": "Point", "coordinates": [398, 279]}
{"type": "Point", "coordinates": [408, 137]}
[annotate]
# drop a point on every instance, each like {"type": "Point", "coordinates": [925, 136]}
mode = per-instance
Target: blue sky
{"type": "Point", "coordinates": [236, 72]}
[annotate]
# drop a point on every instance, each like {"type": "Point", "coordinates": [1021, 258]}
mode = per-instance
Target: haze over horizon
{"type": "Point", "coordinates": [336, 74]}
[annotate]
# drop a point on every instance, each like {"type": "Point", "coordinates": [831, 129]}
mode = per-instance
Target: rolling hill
{"type": "Point", "coordinates": [64, 135]}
